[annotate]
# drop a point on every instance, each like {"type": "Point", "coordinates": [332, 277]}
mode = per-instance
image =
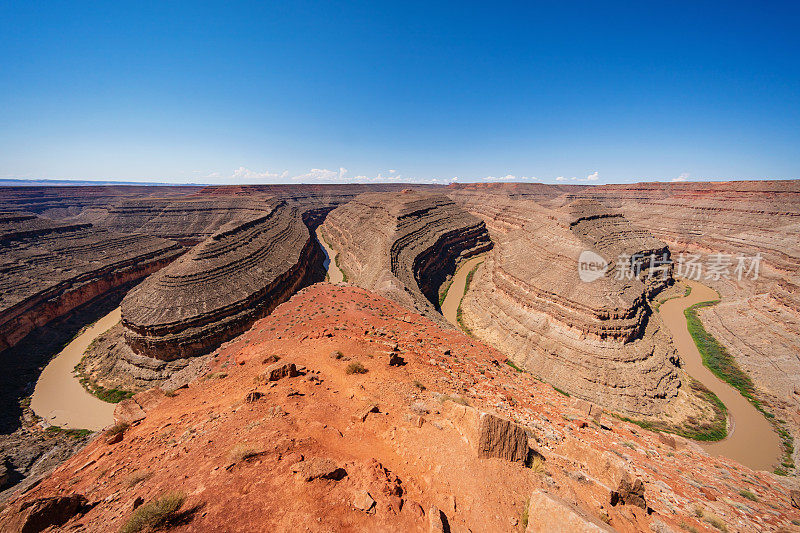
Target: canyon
{"type": "Point", "coordinates": [547, 385]}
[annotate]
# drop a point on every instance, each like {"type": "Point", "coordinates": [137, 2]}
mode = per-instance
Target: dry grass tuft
{"type": "Point", "coordinates": [243, 452]}
{"type": "Point", "coordinates": [355, 368]}
{"type": "Point", "coordinates": [155, 514]}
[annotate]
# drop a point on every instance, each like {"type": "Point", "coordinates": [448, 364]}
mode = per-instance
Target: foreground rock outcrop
{"type": "Point", "coordinates": [404, 246]}
{"type": "Point", "coordinates": [50, 268]}
{"type": "Point", "coordinates": [298, 455]}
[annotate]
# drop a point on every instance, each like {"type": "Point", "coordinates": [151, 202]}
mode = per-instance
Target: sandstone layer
{"type": "Point", "coordinates": [404, 246]}
{"type": "Point", "coordinates": [219, 288]}
{"type": "Point", "coordinates": [48, 269]}
{"type": "Point", "coordinates": [757, 320]}
{"type": "Point", "coordinates": [595, 340]}
{"type": "Point", "coordinates": [427, 446]}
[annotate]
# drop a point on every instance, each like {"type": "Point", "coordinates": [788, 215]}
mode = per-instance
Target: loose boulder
{"type": "Point", "coordinates": [128, 412]}
{"type": "Point", "coordinates": [629, 492]}
{"type": "Point", "coordinates": [501, 438]}
{"type": "Point", "coordinates": [319, 468]}
{"type": "Point", "coordinates": [280, 370]}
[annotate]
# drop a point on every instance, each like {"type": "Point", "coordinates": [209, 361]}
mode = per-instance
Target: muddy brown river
{"type": "Point", "coordinates": [334, 273]}
{"type": "Point", "coordinates": [751, 440]}
{"type": "Point", "coordinates": [456, 291]}
{"type": "Point", "coordinates": [60, 399]}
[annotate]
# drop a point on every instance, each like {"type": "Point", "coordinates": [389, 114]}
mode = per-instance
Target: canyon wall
{"type": "Point", "coordinates": [758, 318]}
{"type": "Point", "coordinates": [219, 288]}
{"type": "Point", "coordinates": [404, 246]}
{"type": "Point", "coordinates": [595, 340]}
{"type": "Point", "coordinates": [49, 268]}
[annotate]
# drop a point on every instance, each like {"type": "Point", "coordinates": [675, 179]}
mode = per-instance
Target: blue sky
{"type": "Point", "coordinates": [417, 91]}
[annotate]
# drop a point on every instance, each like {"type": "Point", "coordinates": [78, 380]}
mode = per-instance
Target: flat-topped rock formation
{"type": "Point", "coordinates": [189, 219]}
{"type": "Point", "coordinates": [404, 246]}
{"type": "Point", "coordinates": [595, 340]}
{"type": "Point", "coordinates": [58, 202]}
{"type": "Point", "coordinates": [48, 268]}
{"type": "Point", "coordinates": [222, 285]}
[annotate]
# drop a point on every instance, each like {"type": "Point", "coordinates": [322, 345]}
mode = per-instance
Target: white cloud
{"type": "Point", "coordinates": [321, 175]}
{"type": "Point", "coordinates": [510, 177]}
{"type": "Point", "coordinates": [682, 177]}
{"type": "Point", "coordinates": [243, 174]}
{"type": "Point", "coordinates": [594, 176]}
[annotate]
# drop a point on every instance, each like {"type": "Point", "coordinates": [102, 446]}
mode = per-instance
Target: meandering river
{"type": "Point", "coordinates": [60, 399]}
{"type": "Point", "coordinates": [751, 440]}
{"type": "Point", "coordinates": [334, 272]}
{"type": "Point", "coordinates": [456, 291]}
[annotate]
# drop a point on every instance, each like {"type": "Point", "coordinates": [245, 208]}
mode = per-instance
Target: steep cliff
{"type": "Point", "coordinates": [222, 285]}
{"type": "Point", "coordinates": [48, 268]}
{"type": "Point", "coordinates": [404, 245]}
{"type": "Point", "coordinates": [594, 339]}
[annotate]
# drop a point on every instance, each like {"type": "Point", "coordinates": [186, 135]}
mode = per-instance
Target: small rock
{"type": "Point", "coordinates": [415, 509]}
{"type": "Point", "coordinates": [629, 493]}
{"type": "Point", "coordinates": [396, 360]}
{"type": "Point", "coordinates": [128, 412]}
{"type": "Point", "coordinates": [43, 513]}
{"type": "Point", "coordinates": [372, 408]}
{"type": "Point", "coordinates": [318, 468]}
{"type": "Point", "coordinates": [115, 438]}
{"type": "Point", "coordinates": [280, 370]}
{"type": "Point", "coordinates": [669, 440]}
{"type": "Point", "coordinates": [709, 494]}
{"type": "Point", "coordinates": [253, 396]}
{"type": "Point", "coordinates": [795, 497]}
{"type": "Point", "coordinates": [364, 502]}
{"type": "Point", "coordinates": [437, 520]}
{"type": "Point", "coordinates": [138, 501]}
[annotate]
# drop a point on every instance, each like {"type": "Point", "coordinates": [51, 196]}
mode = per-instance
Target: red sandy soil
{"type": "Point", "coordinates": [188, 442]}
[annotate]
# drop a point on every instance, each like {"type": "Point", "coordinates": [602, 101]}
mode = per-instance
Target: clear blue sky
{"type": "Point", "coordinates": [239, 91]}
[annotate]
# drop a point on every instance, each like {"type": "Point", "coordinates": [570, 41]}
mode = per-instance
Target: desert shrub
{"type": "Point", "coordinates": [455, 399]}
{"type": "Point", "coordinates": [137, 477]}
{"type": "Point", "coordinates": [355, 368]}
{"type": "Point", "coordinates": [242, 452]}
{"type": "Point", "coordinates": [154, 514]}
{"type": "Point", "coordinates": [536, 465]}
{"type": "Point", "coordinates": [716, 522]}
{"type": "Point", "coordinates": [749, 495]}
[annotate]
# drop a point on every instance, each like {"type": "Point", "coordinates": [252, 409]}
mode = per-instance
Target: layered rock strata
{"type": "Point", "coordinates": [48, 269]}
{"type": "Point", "coordinates": [219, 288]}
{"type": "Point", "coordinates": [414, 462]}
{"type": "Point", "coordinates": [758, 318]}
{"type": "Point", "coordinates": [404, 246]}
{"type": "Point", "coordinates": [593, 339]}
{"type": "Point", "coordinates": [188, 220]}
